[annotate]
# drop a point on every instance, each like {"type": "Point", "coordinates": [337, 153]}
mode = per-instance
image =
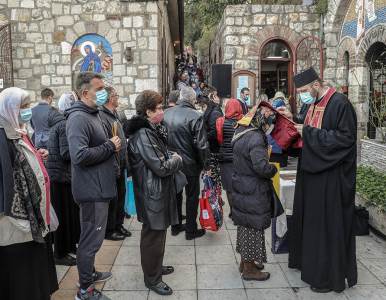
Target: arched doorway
{"type": "Point", "coordinates": [6, 72]}
{"type": "Point", "coordinates": [276, 68]}
{"type": "Point", "coordinates": [376, 62]}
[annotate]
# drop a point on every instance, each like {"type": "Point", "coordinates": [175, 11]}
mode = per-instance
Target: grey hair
{"type": "Point", "coordinates": [83, 81]}
{"type": "Point", "coordinates": [188, 94]}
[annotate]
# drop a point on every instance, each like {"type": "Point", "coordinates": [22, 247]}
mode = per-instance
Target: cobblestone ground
{"type": "Point", "coordinates": [208, 269]}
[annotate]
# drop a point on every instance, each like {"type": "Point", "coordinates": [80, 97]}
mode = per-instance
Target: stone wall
{"type": "Point", "coordinates": [244, 30]}
{"type": "Point", "coordinates": [43, 32]}
{"type": "Point", "coordinates": [373, 154]}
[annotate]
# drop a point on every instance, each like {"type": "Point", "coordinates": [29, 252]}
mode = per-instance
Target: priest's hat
{"type": "Point", "coordinates": [305, 77]}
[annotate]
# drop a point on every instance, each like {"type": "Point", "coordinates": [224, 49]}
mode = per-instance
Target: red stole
{"type": "Point", "coordinates": [315, 113]}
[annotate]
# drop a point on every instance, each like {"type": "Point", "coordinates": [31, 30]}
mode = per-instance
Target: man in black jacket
{"type": "Point", "coordinates": [93, 177]}
{"type": "Point", "coordinates": [187, 136]}
{"type": "Point", "coordinates": [108, 112]}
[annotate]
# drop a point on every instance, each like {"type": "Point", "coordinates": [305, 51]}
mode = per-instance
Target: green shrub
{"type": "Point", "coordinates": [371, 185]}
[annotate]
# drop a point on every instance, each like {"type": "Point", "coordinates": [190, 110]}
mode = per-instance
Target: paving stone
{"type": "Point", "coordinates": [179, 255]}
{"type": "Point", "coordinates": [128, 256]}
{"type": "Point", "coordinates": [133, 240]}
{"type": "Point", "coordinates": [293, 276]}
{"type": "Point", "coordinates": [376, 267]}
{"type": "Point", "coordinates": [277, 279]}
{"type": "Point", "coordinates": [307, 294]}
{"type": "Point", "coordinates": [61, 271]}
{"type": "Point", "coordinates": [214, 238]}
{"type": "Point", "coordinates": [106, 255]}
{"type": "Point", "coordinates": [215, 255]}
{"type": "Point", "coordinates": [177, 295]}
{"type": "Point", "coordinates": [126, 278]}
{"type": "Point", "coordinates": [271, 294]}
{"type": "Point", "coordinates": [365, 276]}
{"type": "Point", "coordinates": [370, 247]}
{"type": "Point", "coordinates": [238, 294]}
{"type": "Point", "coordinates": [135, 225]}
{"type": "Point", "coordinates": [366, 292]}
{"type": "Point", "coordinates": [183, 278]}
{"type": "Point", "coordinates": [178, 240]}
{"type": "Point", "coordinates": [127, 295]}
{"type": "Point", "coordinates": [64, 295]}
{"type": "Point", "coordinates": [218, 277]}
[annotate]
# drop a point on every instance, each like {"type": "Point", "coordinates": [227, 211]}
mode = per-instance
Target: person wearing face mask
{"type": "Point", "coordinates": [108, 112]}
{"type": "Point", "coordinates": [153, 170]}
{"type": "Point", "coordinates": [322, 239]}
{"type": "Point", "coordinates": [252, 172]}
{"type": "Point", "coordinates": [245, 99]}
{"type": "Point", "coordinates": [93, 177]}
{"type": "Point", "coordinates": [26, 215]}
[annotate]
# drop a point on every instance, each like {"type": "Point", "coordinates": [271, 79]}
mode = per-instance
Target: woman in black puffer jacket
{"type": "Point", "coordinates": [225, 128]}
{"type": "Point", "coordinates": [252, 192]}
{"type": "Point", "coordinates": [59, 169]}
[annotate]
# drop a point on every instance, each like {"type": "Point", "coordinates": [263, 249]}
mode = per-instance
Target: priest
{"type": "Point", "coordinates": [322, 238]}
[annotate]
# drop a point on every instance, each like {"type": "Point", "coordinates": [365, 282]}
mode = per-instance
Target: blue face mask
{"type": "Point", "coordinates": [246, 99]}
{"type": "Point", "coordinates": [101, 97]}
{"type": "Point", "coordinates": [307, 98]}
{"type": "Point", "coordinates": [25, 115]}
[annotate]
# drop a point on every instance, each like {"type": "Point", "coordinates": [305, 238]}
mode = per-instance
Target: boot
{"type": "Point", "coordinates": [241, 267]}
{"type": "Point", "coordinates": [250, 272]}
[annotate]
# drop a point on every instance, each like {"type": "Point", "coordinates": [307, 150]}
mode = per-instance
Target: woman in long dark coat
{"type": "Point", "coordinates": [27, 269]}
{"type": "Point", "coordinates": [225, 128]}
{"type": "Point", "coordinates": [59, 168]}
{"type": "Point", "coordinates": [252, 192]}
{"type": "Point", "coordinates": [153, 169]}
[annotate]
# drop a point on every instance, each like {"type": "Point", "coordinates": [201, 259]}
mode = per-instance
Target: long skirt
{"type": "Point", "coordinates": [67, 235]}
{"type": "Point", "coordinates": [27, 271]}
{"type": "Point", "coordinates": [251, 245]}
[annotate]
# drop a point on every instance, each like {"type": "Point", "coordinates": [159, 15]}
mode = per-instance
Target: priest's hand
{"type": "Point", "coordinates": [299, 128]}
{"type": "Point", "coordinates": [43, 153]}
{"type": "Point", "coordinates": [285, 112]}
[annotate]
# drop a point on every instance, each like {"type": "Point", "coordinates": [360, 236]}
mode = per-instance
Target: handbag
{"type": "Point", "coordinates": [180, 181]}
{"type": "Point", "coordinates": [211, 213]}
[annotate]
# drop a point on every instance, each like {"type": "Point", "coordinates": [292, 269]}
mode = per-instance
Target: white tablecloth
{"type": "Point", "coordinates": [287, 192]}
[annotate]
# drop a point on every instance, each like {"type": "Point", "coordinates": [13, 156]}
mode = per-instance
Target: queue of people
{"type": "Point", "coordinates": [72, 188]}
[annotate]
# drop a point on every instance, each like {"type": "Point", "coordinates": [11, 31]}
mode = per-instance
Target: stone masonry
{"type": "Point", "coordinates": [43, 32]}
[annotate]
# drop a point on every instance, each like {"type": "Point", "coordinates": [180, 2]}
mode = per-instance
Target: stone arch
{"type": "Point", "coordinates": [273, 32]}
{"type": "Point", "coordinates": [346, 45]}
{"type": "Point", "coordinates": [6, 64]}
{"type": "Point", "coordinates": [375, 34]}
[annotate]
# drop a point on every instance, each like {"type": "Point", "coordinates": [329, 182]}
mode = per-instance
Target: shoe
{"type": "Point", "coordinates": [195, 234]}
{"type": "Point", "coordinates": [101, 276]}
{"type": "Point", "coordinates": [176, 229]}
{"type": "Point", "coordinates": [241, 267]}
{"type": "Point", "coordinates": [115, 236]}
{"type": "Point", "coordinates": [183, 217]}
{"type": "Point", "coordinates": [122, 230]}
{"type": "Point", "coordinates": [161, 289]}
{"type": "Point", "coordinates": [91, 294]}
{"type": "Point", "coordinates": [98, 277]}
{"type": "Point", "coordinates": [250, 272]}
{"type": "Point", "coordinates": [166, 270]}
{"type": "Point", "coordinates": [321, 291]}
{"type": "Point", "coordinates": [67, 260]}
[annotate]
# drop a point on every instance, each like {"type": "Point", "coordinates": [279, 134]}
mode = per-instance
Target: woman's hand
{"type": "Point", "coordinates": [43, 153]}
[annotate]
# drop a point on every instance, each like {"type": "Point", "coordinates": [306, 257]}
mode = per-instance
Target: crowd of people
{"type": "Point", "coordinates": [64, 188]}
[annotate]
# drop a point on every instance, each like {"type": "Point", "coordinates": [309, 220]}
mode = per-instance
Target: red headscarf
{"type": "Point", "coordinates": [234, 111]}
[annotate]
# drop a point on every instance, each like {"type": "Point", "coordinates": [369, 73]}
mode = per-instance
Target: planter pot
{"type": "Point", "coordinates": [377, 218]}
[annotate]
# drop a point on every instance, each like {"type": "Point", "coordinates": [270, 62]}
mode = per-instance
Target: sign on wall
{"type": "Point", "coordinates": [92, 53]}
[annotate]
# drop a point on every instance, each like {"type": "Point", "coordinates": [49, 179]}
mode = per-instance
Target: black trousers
{"type": "Point", "coordinates": [192, 190]}
{"type": "Point", "coordinates": [116, 215]}
{"type": "Point", "coordinates": [179, 197]}
{"type": "Point", "coordinates": [152, 254]}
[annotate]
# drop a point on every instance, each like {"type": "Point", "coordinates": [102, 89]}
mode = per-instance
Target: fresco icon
{"type": "Point", "coordinates": [92, 53]}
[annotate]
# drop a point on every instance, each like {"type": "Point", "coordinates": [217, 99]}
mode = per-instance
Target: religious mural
{"type": "Point", "coordinates": [92, 53]}
{"type": "Point", "coordinates": [363, 15]}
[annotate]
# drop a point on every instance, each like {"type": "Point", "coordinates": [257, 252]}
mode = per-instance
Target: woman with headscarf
{"type": "Point", "coordinates": [26, 260]}
{"type": "Point", "coordinates": [59, 169]}
{"type": "Point", "coordinates": [225, 128]}
{"type": "Point", "coordinates": [252, 190]}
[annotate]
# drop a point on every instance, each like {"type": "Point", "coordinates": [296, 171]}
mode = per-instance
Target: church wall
{"type": "Point", "coordinates": [44, 32]}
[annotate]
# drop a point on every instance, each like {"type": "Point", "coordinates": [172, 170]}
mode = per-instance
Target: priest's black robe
{"type": "Point", "coordinates": [322, 240]}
